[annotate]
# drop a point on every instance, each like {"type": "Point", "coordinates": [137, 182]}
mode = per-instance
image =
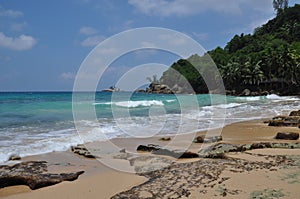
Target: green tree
{"type": "Point", "coordinates": [280, 5]}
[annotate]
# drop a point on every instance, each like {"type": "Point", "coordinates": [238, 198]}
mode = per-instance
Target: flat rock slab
{"type": "Point", "coordinates": [291, 121]}
{"type": "Point", "coordinates": [157, 150]}
{"type": "Point", "coordinates": [32, 174]}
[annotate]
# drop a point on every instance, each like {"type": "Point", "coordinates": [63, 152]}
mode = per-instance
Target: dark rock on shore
{"type": "Point", "coordinates": [82, 150]}
{"type": "Point", "coordinates": [295, 113]}
{"type": "Point", "coordinates": [287, 136]}
{"type": "Point", "coordinates": [32, 174]}
{"type": "Point", "coordinates": [217, 150]}
{"type": "Point", "coordinates": [157, 150]}
{"type": "Point", "coordinates": [165, 139]}
{"type": "Point", "coordinates": [291, 121]}
{"type": "Point", "coordinates": [204, 139]}
{"type": "Point", "coordinates": [14, 157]}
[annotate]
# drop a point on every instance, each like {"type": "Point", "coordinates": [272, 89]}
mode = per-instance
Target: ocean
{"type": "Point", "coordinates": [39, 122]}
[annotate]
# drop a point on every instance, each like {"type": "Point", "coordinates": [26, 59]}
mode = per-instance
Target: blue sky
{"type": "Point", "coordinates": [43, 43]}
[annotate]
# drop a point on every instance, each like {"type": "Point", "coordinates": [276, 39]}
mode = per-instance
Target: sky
{"type": "Point", "coordinates": [43, 43]}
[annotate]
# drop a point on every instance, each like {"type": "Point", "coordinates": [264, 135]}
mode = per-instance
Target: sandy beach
{"type": "Point", "coordinates": [258, 173]}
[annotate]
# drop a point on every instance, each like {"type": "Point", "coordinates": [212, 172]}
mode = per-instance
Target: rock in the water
{"type": "Point", "coordinates": [205, 139]}
{"type": "Point", "coordinates": [33, 175]}
{"type": "Point", "coordinates": [295, 113]}
{"type": "Point", "coordinates": [14, 157]}
{"type": "Point", "coordinates": [287, 136]}
{"type": "Point", "coordinates": [246, 92]}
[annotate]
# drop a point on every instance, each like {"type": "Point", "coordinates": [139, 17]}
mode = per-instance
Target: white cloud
{"type": "Point", "coordinates": [67, 76]}
{"type": "Point", "coordinates": [87, 30]}
{"type": "Point", "coordinates": [10, 13]}
{"type": "Point", "coordinates": [192, 7]}
{"type": "Point", "coordinates": [23, 42]}
{"type": "Point", "coordinates": [92, 41]}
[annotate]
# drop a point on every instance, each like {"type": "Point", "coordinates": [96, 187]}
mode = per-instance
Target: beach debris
{"type": "Point", "coordinates": [80, 149]}
{"type": "Point", "coordinates": [165, 139]}
{"type": "Point", "coordinates": [14, 157]}
{"type": "Point", "coordinates": [295, 113]}
{"type": "Point", "coordinates": [291, 121]}
{"type": "Point", "coordinates": [207, 139]}
{"type": "Point", "coordinates": [287, 136]}
{"type": "Point", "coordinates": [32, 174]}
{"type": "Point", "coordinates": [157, 150]}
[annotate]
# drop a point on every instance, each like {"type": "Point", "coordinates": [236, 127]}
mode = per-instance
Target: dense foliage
{"type": "Point", "coordinates": [269, 59]}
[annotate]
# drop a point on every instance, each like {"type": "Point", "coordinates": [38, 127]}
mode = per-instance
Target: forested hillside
{"type": "Point", "coordinates": [266, 61]}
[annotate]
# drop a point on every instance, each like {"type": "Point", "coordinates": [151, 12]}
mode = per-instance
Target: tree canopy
{"type": "Point", "coordinates": [268, 59]}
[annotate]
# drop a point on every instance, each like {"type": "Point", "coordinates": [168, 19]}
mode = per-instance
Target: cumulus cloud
{"type": "Point", "coordinates": [87, 30]}
{"type": "Point", "coordinates": [10, 13]}
{"type": "Point", "coordinates": [191, 7]}
{"type": "Point", "coordinates": [92, 41]}
{"type": "Point", "coordinates": [23, 42]}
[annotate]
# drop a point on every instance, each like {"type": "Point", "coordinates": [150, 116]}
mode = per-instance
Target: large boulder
{"type": "Point", "coordinates": [287, 136]}
{"type": "Point", "coordinates": [291, 121]}
{"type": "Point", "coordinates": [32, 174]}
{"type": "Point", "coordinates": [295, 113]}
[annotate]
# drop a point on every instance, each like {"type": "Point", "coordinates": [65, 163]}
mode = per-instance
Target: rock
{"type": "Point", "coordinates": [80, 149]}
{"type": "Point", "coordinates": [287, 136]}
{"type": "Point", "coordinates": [140, 91]}
{"type": "Point", "coordinates": [148, 148]}
{"type": "Point", "coordinates": [122, 151]}
{"type": "Point", "coordinates": [246, 92]}
{"type": "Point", "coordinates": [295, 113]}
{"type": "Point", "coordinates": [33, 175]}
{"type": "Point", "coordinates": [155, 149]}
{"type": "Point", "coordinates": [14, 157]}
{"type": "Point", "coordinates": [204, 139]}
{"type": "Point", "coordinates": [165, 139]}
{"type": "Point", "coordinates": [292, 121]}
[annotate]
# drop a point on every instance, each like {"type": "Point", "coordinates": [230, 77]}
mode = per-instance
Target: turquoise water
{"type": "Point", "coordinates": [34, 123]}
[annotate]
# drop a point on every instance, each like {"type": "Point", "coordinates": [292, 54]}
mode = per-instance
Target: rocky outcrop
{"type": "Point", "coordinates": [180, 180]}
{"type": "Point", "coordinates": [206, 139]}
{"type": "Point", "coordinates": [82, 150]}
{"type": "Point", "coordinates": [295, 113]}
{"type": "Point", "coordinates": [287, 136]}
{"type": "Point", "coordinates": [155, 149]}
{"type": "Point", "coordinates": [291, 121]}
{"type": "Point", "coordinates": [32, 174]}
{"type": "Point", "coordinates": [159, 89]}
{"type": "Point", "coordinates": [218, 150]}
{"type": "Point", "coordinates": [14, 157]}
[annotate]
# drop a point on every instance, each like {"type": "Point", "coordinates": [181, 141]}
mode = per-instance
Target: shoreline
{"type": "Point", "coordinates": [94, 180]}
